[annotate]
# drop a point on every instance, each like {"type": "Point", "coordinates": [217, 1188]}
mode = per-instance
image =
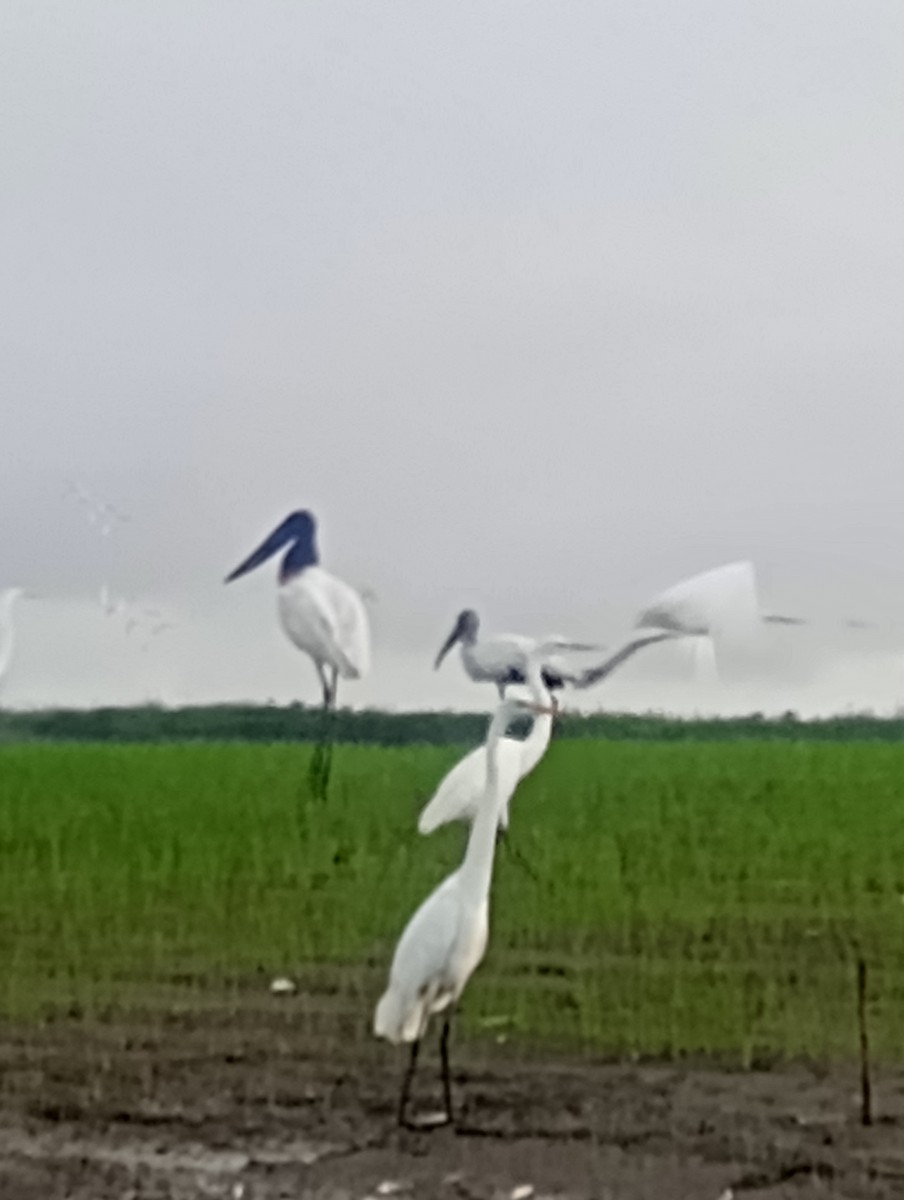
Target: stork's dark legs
{"type": "Point", "coordinates": [406, 1083]}
{"type": "Point", "coordinates": [324, 685]}
{"type": "Point", "coordinates": [322, 759]}
{"type": "Point", "coordinates": [444, 1060]}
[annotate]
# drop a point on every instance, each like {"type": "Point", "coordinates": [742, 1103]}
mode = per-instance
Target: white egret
{"type": "Point", "coordinates": [320, 614]}
{"type": "Point", "coordinates": [445, 940]}
{"type": "Point", "coordinates": [8, 599]}
{"type": "Point", "coordinates": [460, 793]}
{"type": "Point", "coordinates": [502, 659]}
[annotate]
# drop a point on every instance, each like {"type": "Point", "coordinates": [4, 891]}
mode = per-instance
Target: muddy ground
{"type": "Point", "coordinates": [242, 1107]}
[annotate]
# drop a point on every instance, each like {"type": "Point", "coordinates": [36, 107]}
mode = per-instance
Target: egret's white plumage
{"type": "Point", "coordinates": [503, 658]}
{"type": "Point", "coordinates": [446, 938]}
{"type": "Point", "coordinates": [321, 615]}
{"type": "Point", "coordinates": [460, 793]}
{"type": "Point", "coordinates": [438, 952]}
{"type": "Point", "coordinates": [104, 518]}
{"type": "Point", "coordinates": [8, 598]}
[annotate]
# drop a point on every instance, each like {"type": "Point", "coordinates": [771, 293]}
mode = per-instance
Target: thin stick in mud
{"type": "Point", "coordinates": [866, 1090]}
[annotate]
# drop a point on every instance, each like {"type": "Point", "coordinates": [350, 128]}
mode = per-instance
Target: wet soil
{"type": "Point", "coordinates": [241, 1106]}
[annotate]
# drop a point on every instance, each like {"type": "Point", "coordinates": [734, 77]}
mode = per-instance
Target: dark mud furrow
{"type": "Point", "coordinates": [249, 1112]}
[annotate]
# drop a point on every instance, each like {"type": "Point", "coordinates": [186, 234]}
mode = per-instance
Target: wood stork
{"type": "Point", "coordinates": [320, 614]}
{"type": "Point", "coordinates": [460, 793]}
{"type": "Point", "coordinates": [502, 659]}
{"type": "Point", "coordinates": [445, 940]}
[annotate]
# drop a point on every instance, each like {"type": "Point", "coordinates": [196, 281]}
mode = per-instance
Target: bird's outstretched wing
{"type": "Point", "coordinates": [636, 641]}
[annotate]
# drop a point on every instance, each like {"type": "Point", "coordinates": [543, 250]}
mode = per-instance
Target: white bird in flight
{"type": "Point", "coordinates": [719, 606]}
{"type": "Point", "coordinates": [103, 516]}
{"type": "Point", "coordinates": [320, 614]}
{"type": "Point", "coordinates": [460, 793]}
{"type": "Point", "coordinates": [445, 940]}
{"type": "Point", "coordinates": [503, 658]}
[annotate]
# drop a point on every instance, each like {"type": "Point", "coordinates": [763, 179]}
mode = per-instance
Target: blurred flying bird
{"type": "Point", "coordinates": [719, 606]}
{"type": "Point", "coordinates": [638, 639]}
{"type": "Point", "coordinates": [721, 602]}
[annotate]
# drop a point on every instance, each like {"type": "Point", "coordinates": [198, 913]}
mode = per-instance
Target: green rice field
{"type": "Point", "coordinates": [701, 899]}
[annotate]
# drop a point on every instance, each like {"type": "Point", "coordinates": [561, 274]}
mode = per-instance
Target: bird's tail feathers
{"type": "Point", "coordinates": [397, 1018]}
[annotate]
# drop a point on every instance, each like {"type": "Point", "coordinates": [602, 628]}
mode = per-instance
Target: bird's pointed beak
{"type": "Point", "coordinates": [450, 641]}
{"type": "Point", "coordinates": [271, 544]}
{"type": "Point", "coordinates": [544, 710]}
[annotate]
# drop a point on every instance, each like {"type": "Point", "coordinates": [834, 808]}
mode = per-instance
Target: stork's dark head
{"type": "Point", "coordinates": [464, 630]}
{"type": "Point", "coordinates": [299, 532]}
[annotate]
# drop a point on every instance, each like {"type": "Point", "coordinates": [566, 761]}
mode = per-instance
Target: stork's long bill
{"type": "Point", "coordinates": [465, 629]}
{"type": "Point", "coordinates": [299, 532]}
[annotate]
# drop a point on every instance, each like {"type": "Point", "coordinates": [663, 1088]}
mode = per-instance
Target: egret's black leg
{"type": "Point", "coordinates": [444, 1060]}
{"type": "Point", "coordinates": [505, 838]}
{"type": "Point", "coordinates": [334, 688]}
{"type": "Point", "coordinates": [316, 772]}
{"type": "Point", "coordinates": [406, 1083]}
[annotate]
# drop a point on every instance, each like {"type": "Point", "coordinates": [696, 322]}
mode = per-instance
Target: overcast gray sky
{"type": "Point", "coordinates": [539, 307]}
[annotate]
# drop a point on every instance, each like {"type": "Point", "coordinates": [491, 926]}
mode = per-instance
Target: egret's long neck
{"type": "Point", "coordinates": [476, 871]}
{"type": "Point", "coordinates": [534, 746]}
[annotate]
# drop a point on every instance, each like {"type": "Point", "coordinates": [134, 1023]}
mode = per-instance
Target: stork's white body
{"type": "Point", "coordinates": [326, 618]}
{"type": "Point", "coordinates": [495, 659]}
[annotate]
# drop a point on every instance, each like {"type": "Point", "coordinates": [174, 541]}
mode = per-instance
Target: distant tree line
{"type": "Point", "coordinates": [295, 722]}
